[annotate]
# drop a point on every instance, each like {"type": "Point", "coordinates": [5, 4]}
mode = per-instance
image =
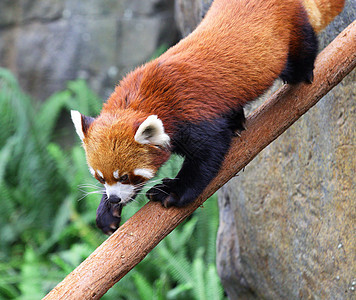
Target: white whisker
{"type": "Point", "coordinates": [84, 189]}
{"type": "Point", "coordinates": [141, 194]}
{"type": "Point", "coordinates": [148, 183]}
{"type": "Point", "coordinates": [136, 201]}
{"type": "Point", "coordinates": [89, 186]}
{"type": "Point", "coordinates": [164, 192]}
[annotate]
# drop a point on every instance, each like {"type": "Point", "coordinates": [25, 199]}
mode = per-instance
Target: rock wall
{"type": "Point", "coordinates": [287, 222]}
{"type": "Point", "coordinates": [47, 43]}
{"type": "Point", "coordinates": [189, 13]}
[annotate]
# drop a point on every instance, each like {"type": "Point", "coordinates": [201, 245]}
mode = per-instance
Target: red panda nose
{"type": "Point", "coordinates": [114, 199]}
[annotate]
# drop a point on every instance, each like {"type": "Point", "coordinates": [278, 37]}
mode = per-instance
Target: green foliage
{"type": "Point", "coordinates": [47, 226]}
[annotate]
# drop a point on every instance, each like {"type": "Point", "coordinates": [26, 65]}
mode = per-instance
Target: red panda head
{"type": "Point", "coordinates": [123, 150]}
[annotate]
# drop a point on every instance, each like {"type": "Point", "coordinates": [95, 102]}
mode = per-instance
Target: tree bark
{"type": "Point", "coordinates": [142, 232]}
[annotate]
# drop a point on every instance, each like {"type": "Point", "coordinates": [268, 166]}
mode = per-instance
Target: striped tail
{"type": "Point", "coordinates": [322, 12]}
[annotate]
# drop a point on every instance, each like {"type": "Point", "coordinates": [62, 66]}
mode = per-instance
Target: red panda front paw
{"type": "Point", "coordinates": [158, 192]}
{"type": "Point", "coordinates": [162, 193]}
{"type": "Point", "coordinates": [108, 216]}
{"type": "Point", "coordinates": [171, 200]}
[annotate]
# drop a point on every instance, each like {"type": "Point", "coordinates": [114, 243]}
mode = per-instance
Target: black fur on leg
{"type": "Point", "coordinates": [236, 119]}
{"type": "Point", "coordinates": [108, 215]}
{"type": "Point", "coordinates": [204, 146]}
{"type": "Point", "coordinates": [299, 68]}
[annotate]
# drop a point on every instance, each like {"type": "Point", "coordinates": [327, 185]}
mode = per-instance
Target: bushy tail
{"type": "Point", "coordinates": [322, 12]}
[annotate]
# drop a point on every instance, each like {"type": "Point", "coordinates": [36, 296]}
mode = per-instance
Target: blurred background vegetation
{"type": "Point", "coordinates": [56, 50]}
{"type": "Point", "coordinates": [62, 55]}
{"type": "Point", "coordinates": [48, 204]}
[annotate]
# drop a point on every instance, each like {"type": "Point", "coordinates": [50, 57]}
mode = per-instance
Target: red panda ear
{"type": "Point", "coordinates": [81, 123]}
{"type": "Point", "coordinates": [151, 131]}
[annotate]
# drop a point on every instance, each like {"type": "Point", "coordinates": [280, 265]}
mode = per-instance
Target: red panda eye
{"type": "Point", "coordinates": [100, 179]}
{"type": "Point", "coordinates": [124, 178]}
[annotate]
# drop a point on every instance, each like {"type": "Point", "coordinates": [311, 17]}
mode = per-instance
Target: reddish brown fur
{"type": "Point", "coordinates": [234, 55]}
{"type": "Point", "coordinates": [118, 153]}
{"type": "Point", "coordinates": [218, 67]}
{"type": "Point", "coordinates": [322, 12]}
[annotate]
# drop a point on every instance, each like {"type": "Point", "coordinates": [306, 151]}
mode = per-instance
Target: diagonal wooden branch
{"type": "Point", "coordinates": [142, 232]}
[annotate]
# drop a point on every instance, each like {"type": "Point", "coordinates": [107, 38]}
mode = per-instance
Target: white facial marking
{"type": "Point", "coordinates": [146, 173]}
{"type": "Point", "coordinates": [100, 173]}
{"type": "Point", "coordinates": [92, 171]}
{"type": "Point", "coordinates": [77, 121]}
{"type": "Point", "coordinates": [116, 174]}
{"type": "Point", "coordinates": [123, 191]}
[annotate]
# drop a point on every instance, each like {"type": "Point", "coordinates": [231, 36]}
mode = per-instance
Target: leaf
{"type": "Point", "coordinates": [49, 113]}
{"type": "Point", "coordinates": [39, 182]}
{"type": "Point", "coordinates": [198, 274]}
{"type": "Point", "coordinates": [5, 155]}
{"type": "Point", "coordinates": [213, 284]}
{"type": "Point", "coordinates": [178, 291]}
{"type": "Point", "coordinates": [87, 102]}
{"type": "Point", "coordinates": [31, 277]}
{"type": "Point", "coordinates": [61, 218]}
{"type": "Point", "coordinates": [143, 286]}
{"type": "Point", "coordinates": [206, 229]}
{"type": "Point", "coordinates": [178, 266]}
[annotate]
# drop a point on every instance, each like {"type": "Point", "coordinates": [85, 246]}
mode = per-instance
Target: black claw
{"type": "Point", "coordinates": [157, 192]}
{"type": "Point", "coordinates": [162, 193]}
{"type": "Point", "coordinates": [310, 78]}
{"type": "Point", "coordinates": [171, 200]}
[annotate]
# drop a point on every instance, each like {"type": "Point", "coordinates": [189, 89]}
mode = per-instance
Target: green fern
{"type": "Point", "coordinates": [34, 180]}
{"type": "Point", "coordinates": [213, 285]}
{"type": "Point", "coordinates": [207, 227]}
{"type": "Point", "coordinates": [198, 275]}
{"type": "Point", "coordinates": [46, 231]}
{"type": "Point", "coordinates": [144, 287]}
{"type": "Point", "coordinates": [31, 277]}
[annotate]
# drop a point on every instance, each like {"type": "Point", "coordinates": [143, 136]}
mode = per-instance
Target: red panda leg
{"type": "Point", "coordinates": [204, 147]}
{"type": "Point", "coordinates": [190, 182]}
{"type": "Point", "coordinates": [300, 63]}
{"type": "Point", "coordinates": [108, 215]}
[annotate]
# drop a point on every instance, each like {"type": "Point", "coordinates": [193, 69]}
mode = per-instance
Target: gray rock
{"type": "Point", "coordinates": [289, 229]}
{"type": "Point", "coordinates": [8, 13]}
{"type": "Point", "coordinates": [30, 10]}
{"type": "Point", "coordinates": [148, 7]}
{"type": "Point", "coordinates": [144, 33]}
{"type": "Point", "coordinates": [189, 13]}
{"type": "Point", "coordinates": [287, 223]}
{"type": "Point", "coordinates": [47, 43]}
{"type": "Point", "coordinates": [94, 8]}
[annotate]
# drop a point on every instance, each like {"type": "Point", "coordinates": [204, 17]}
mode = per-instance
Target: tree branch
{"type": "Point", "coordinates": [142, 232]}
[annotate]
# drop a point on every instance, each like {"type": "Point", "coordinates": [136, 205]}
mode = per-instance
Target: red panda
{"type": "Point", "coordinates": [190, 100]}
